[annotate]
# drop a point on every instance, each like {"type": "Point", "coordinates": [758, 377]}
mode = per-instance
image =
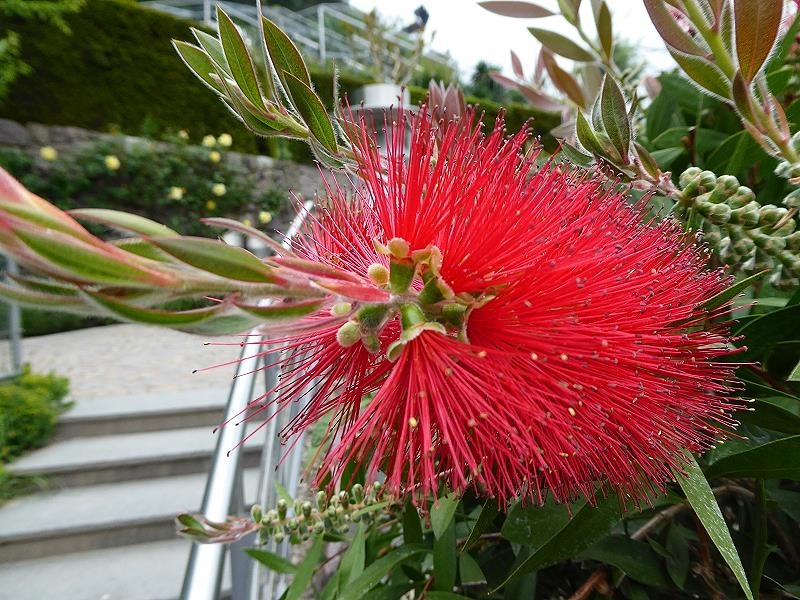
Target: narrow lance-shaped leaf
{"type": "Point", "coordinates": [742, 98]}
{"type": "Point", "coordinates": [586, 135]}
{"type": "Point", "coordinates": [90, 264]}
{"type": "Point", "coordinates": [705, 506]}
{"type": "Point", "coordinates": [280, 311]}
{"type": "Point", "coordinates": [213, 49]}
{"type": "Point", "coordinates": [778, 459]}
{"type": "Point", "coordinates": [756, 23]}
{"type": "Point", "coordinates": [313, 112]}
{"type": "Point", "coordinates": [238, 57]}
{"type": "Point", "coordinates": [561, 45]}
{"type": "Point", "coordinates": [705, 73]}
{"type": "Point", "coordinates": [729, 294]}
{"type": "Point", "coordinates": [124, 221]}
{"type": "Point", "coordinates": [520, 10]}
{"type": "Point", "coordinates": [615, 116]}
{"type": "Point", "coordinates": [563, 80]}
{"type": "Point", "coordinates": [375, 572]}
{"type": "Point", "coordinates": [604, 29]}
{"type": "Point", "coordinates": [216, 257]}
{"type": "Point", "coordinates": [669, 30]}
{"type": "Point", "coordinates": [198, 62]}
{"type": "Point", "coordinates": [516, 65]}
{"type": "Point", "coordinates": [35, 299]}
{"type": "Point", "coordinates": [283, 54]}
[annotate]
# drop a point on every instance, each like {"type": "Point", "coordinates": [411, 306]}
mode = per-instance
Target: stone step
{"type": "Point", "coordinates": [151, 571]}
{"type": "Point", "coordinates": [143, 412]}
{"type": "Point", "coordinates": [111, 458]}
{"type": "Point", "coordinates": [102, 516]}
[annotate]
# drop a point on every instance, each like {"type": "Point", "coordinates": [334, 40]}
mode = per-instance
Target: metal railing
{"type": "Point", "coordinates": [332, 31]}
{"type": "Point", "coordinates": [224, 493]}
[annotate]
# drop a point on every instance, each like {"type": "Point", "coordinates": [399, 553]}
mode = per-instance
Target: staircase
{"type": "Point", "coordinates": [123, 465]}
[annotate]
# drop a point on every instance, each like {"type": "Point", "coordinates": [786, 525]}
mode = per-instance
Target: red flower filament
{"type": "Point", "coordinates": [528, 332]}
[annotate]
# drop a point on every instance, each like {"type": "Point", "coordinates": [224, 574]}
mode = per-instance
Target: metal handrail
{"type": "Point", "coordinates": [224, 492]}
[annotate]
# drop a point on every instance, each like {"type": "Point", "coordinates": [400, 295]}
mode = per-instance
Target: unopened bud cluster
{"type": "Point", "coordinates": [326, 514]}
{"type": "Point", "coordinates": [791, 170]}
{"type": "Point", "coordinates": [743, 233]}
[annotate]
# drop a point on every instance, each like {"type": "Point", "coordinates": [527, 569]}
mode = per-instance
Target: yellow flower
{"type": "Point", "coordinates": [48, 153]}
{"type": "Point", "coordinates": [264, 217]}
{"type": "Point", "coordinates": [176, 193]}
{"type": "Point", "coordinates": [214, 156]}
{"type": "Point", "coordinates": [225, 139]}
{"type": "Point", "coordinates": [211, 205]}
{"type": "Point", "coordinates": [209, 141]}
{"type": "Point", "coordinates": [218, 189]}
{"type": "Point", "coordinates": [247, 222]}
{"type": "Point", "coordinates": [183, 134]}
{"type": "Point", "coordinates": [112, 163]}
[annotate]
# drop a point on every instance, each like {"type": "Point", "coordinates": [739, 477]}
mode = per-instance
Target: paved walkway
{"type": "Point", "coordinates": [125, 359]}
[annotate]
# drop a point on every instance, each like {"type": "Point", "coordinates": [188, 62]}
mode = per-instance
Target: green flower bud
{"type": "Point", "coordinates": [792, 200]}
{"type": "Point", "coordinates": [306, 508]}
{"type": "Point", "coordinates": [348, 334]}
{"type": "Point", "coordinates": [322, 501]}
{"type": "Point", "coordinates": [256, 513]}
{"type": "Point", "coordinates": [747, 216]}
{"type": "Point", "coordinates": [726, 186]}
{"type": "Point", "coordinates": [282, 508]}
{"type": "Point", "coordinates": [743, 196]}
{"type": "Point", "coordinates": [688, 176]}
{"type": "Point", "coordinates": [769, 214]}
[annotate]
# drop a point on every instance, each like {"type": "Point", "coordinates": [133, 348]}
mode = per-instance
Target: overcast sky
{"type": "Point", "coordinates": [471, 34]}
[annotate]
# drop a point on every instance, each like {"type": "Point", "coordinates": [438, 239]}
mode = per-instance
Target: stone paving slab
{"type": "Point", "coordinates": [130, 360]}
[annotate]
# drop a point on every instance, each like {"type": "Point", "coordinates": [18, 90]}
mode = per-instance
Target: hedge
{"type": "Point", "coordinates": [118, 70]}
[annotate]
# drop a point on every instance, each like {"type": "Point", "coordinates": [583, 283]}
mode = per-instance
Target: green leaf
{"type": "Point", "coordinates": [198, 62]}
{"type": "Point", "coordinates": [678, 559]}
{"type": "Point", "coordinates": [280, 310]}
{"type": "Point", "coordinates": [272, 561]}
{"type": "Point", "coordinates": [771, 413]}
{"type": "Point", "coordinates": [313, 112]}
{"type": "Point", "coordinates": [742, 98]}
{"type": "Point", "coordinates": [34, 299]}
{"type": "Point", "coordinates": [87, 262]}
{"type": "Point", "coordinates": [533, 525]}
{"type": "Point", "coordinates": [469, 571]}
{"type": "Point", "coordinates": [787, 501]}
{"type": "Point", "coordinates": [604, 29]}
{"type": "Point", "coordinates": [438, 595]}
{"type": "Point", "coordinates": [795, 374]}
{"type": "Point", "coordinates": [779, 459]}
{"type": "Point", "coordinates": [486, 517]}
{"type": "Point", "coordinates": [238, 57]}
{"type": "Point", "coordinates": [412, 525]}
{"type": "Point", "coordinates": [214, 50]}
{"type": "Point", "coordinates": [352, 564]}
{"type": "Point", "coordinates": [704, 73]}
{"type": "Point", "coordinates": [664, 158]}
{"type": "Point", "coordinates": [216, 257]}
{"type": "Point", "coordinates": [519, 10]}
{"type": "Point", "coordinates": [235, 225]}
{"type": "Point", "coordinates": [200, 320]}
{"type": "Point", "coordinates": [757, 24]}
{"type": "Point", "coordinates": [444, 558]}
{"type": "Point", "coordinates": [442, 513]}
{"type": "Point", "coordinates": [648, 162]}
{"type": "Point", "coordinates": [379, 569]}
{"type": "Point", "coordinates": [615, 115]}
{"type": "Point", "coordinates": [561, 45]}
{"type": "Point", "coordinates": [701, 498]}
{"type": "Point", "coordinates": [632, 557]}
{"type": "Point", "coordinates": [305, 571]}
{"type": "Point", "coordinates": [396, 591]}
{"type": "Point", "coordinates": [588, 525]}
{"type": "Point", "coordinates": [586, 135]}
{"type": "Point", "coordinates": [762, 333]}
{"type": "Point", "coordinates": [283, 54]}
{"type": "Point", "coordinates": [669, 30]}
{"type": "Point", "coordinates": [732, 292]}
{"type": "Point", "coordinates": [573, 154]}
{"type": "Point", "coordinates": [124, 221]}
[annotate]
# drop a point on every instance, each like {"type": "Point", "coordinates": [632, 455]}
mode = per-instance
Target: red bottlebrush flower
{"type": "Point", "coordinates": [537, 337]}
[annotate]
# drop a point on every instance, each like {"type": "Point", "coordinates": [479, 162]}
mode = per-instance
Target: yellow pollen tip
{"type": "Point", "coordinates": [563, 356]}
{"type": "Point", "coordinates": [482, 354]}
{"type": "Point", "coordinates": [378, 273]}
{"type": "Point", "coordinates": [534, 356]}
{"type": "Point", "coordinates": [412, 422]}
{"type": "Point", "coordinates": [571, 411]}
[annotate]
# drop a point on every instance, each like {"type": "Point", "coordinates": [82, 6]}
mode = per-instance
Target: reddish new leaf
{"type": "Point", "coordinates": [756, 24]}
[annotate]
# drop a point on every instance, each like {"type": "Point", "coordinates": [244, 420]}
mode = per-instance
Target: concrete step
{"type": "Point", "coordinates": [111, 458]}
{"type": "Point", "coordinates": [143, 412]}
{"type": "Point", "coordinates": [152, 571]}
{"type": "Point", "coordinates": [102, 516]}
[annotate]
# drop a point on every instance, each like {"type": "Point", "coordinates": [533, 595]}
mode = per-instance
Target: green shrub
{"type": "Point", "coordinates": [118, 70]}
{"type": "Point", "coordinates": [29, 406]}
{"type": "Point", "coordinates": [145, 181]}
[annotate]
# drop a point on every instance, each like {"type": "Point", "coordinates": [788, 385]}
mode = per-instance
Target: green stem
{"type": "Point", "coordinates": [712, 38]}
